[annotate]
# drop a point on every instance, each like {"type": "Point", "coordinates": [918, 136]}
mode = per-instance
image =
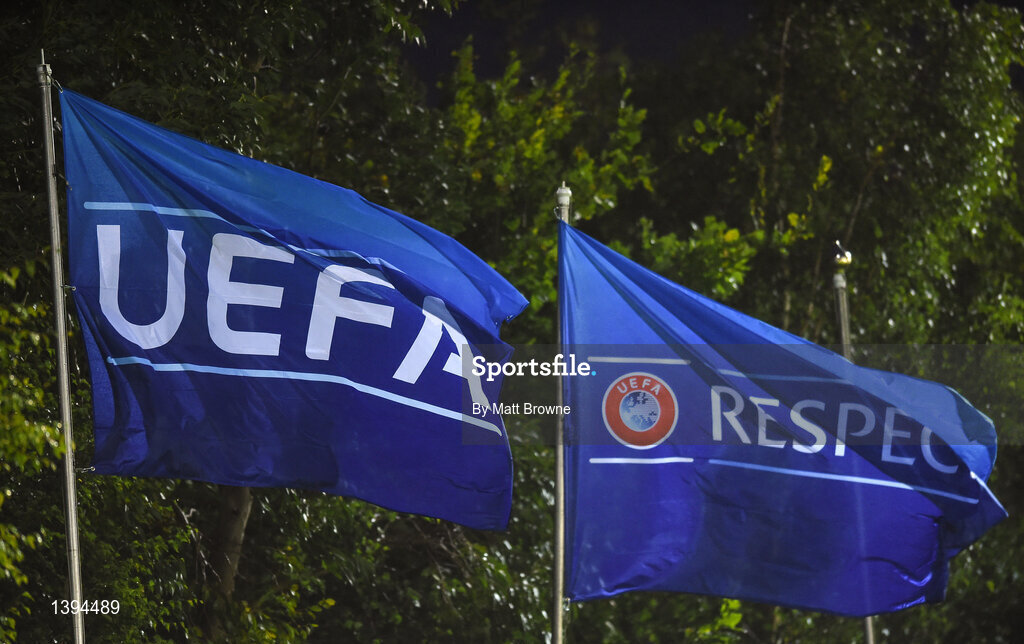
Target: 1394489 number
{"type": "Point", "coordinates": [97, 606]}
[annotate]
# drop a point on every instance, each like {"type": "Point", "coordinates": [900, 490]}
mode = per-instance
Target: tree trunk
{"type": "Point", "coordinates": [235, 504]}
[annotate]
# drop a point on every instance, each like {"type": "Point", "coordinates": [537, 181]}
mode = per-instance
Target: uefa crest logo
{"type": "Point", "coordinates": [640, 410]}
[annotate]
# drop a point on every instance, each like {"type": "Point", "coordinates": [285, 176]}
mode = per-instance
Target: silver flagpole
{"type": "Point", "coordinates": [843, 259]}
{"type": "Point", "coordinates": [70, 494]}
{"type": "Point", "coordinates": [564, 197]}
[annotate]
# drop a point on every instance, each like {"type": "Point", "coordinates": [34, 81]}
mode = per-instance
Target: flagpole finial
{"type": "Point", "coordinates": [843, 256]}
{"type": "Point", "coordinates": [563, 196]}
{"type": "Point", "coordinates": [43, 69]}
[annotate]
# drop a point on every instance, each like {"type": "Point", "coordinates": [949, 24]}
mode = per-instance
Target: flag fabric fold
{"type": "Point", "coordinates": [714, 454]}
{"type": "Point", "coordinates": [247, 325]}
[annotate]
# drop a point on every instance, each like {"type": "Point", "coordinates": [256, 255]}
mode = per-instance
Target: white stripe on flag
{"type": "Point", "coordinates": [789, 472]}
{"type": "Point", "coordinates": [643, 461]}
{"type": "Point", "coordinates": [310, 377]}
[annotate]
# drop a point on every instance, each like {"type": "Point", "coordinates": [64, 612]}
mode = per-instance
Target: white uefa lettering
{"type": "Point", "coordinates": [762, 422]}
{"type": "Point", "coordinates": [929, 456]}
{"type": "Point", "coordinates": [730, 416]}
{"type": "Point", "coordinates": [154, 334]}
{"type": "Point", "coordinates": [436, 320]}
{"type": "Point", "coordinates": [224, 292]}
{"type": "Point", "coordinates": [889, 432]}
{"type": "Point", "coordinates": [845, 425]}
{"type": "Point", "coordinates": [842, 430]}
{"type": "Point", "coordinates": [328, 306]}
{"type": "Point", "coordinates": [820, 438]}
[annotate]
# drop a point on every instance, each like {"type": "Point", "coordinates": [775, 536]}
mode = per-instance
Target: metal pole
{"type": "Point", "coordinates": [564, 197]}
{"type": "Point", "coordinates": [843, 259]}
{"type": "Point", "coordinates": [70, 494]}
{"type": "Point", "coordinates": [843, 311]}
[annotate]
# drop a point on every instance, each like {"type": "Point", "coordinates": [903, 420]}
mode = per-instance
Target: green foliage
{"type": "Point", "coordinates": [714, 259]}
{"type": "Point", "coordinates": [511, 140]}
{"type": "Point", "coordinates": [836, 147]}
{"type": "Point", "coordinates": [29, 443]}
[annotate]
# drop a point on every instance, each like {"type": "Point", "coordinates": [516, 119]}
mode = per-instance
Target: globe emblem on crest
{"type": "Point", "coordinates": [639, 410]}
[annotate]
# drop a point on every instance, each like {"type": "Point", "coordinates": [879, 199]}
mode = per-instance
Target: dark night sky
{"type": "Point", "coordinates": [646, 30]}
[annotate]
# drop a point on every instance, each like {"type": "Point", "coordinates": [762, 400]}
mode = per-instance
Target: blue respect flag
{"type": "Point", "coordinates": [247, 325]}
{"type": "Point", "coordinates": [714, 454]}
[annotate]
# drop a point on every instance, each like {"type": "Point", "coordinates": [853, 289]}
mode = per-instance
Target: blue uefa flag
{"type": "Point", "coordinates": [247, 325]}
{"type": "Point", "coordinates": [714, 454]}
